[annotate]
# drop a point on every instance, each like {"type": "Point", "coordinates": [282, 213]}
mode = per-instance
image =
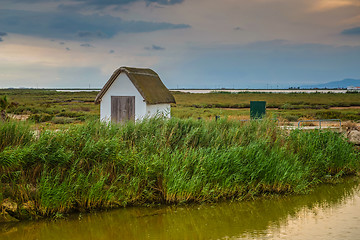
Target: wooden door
{"type": "Point", "coordinates": [122, 108]}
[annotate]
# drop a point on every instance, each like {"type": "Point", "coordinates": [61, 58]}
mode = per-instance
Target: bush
{"type": "Point", "coordinates": [43, 117]}
{"type": "Point", "coordinates": [291, 118]}
{"type": "Point", "coordinates": [62, 120]}
{"type": "Point", "coordinates": [328, 115]}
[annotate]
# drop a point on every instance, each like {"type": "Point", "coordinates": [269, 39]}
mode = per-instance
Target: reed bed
{"type": "Point", "coordinates": [60, 109]}
{"type": "Point", "coordinates": [159, 161]}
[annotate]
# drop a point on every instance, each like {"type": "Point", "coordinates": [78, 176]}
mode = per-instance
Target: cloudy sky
{"type": "Point", "coordinates": [190, 43]}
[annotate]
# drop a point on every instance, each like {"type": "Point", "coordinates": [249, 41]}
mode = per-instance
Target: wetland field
{"type": "Point", "coordinates": [48, 107]}
{"type": "Point", "coordinates": [61, 162]}
{"type": "Point", "coordinates": [158, 161]}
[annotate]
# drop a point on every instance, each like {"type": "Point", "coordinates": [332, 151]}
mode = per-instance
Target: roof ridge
{"type": "Point", "coordinates": [146, 81]}
{"type": "Point", "coordinates": [126, 69]}
{"type": "Point", "coordinates": [147, 74]}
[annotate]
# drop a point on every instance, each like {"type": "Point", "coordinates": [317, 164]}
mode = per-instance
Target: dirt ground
{"type": "Point", "coordinates": [19, 117]}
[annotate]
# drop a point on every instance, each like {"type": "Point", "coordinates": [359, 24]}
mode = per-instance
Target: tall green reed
{"type": "Point", "coordinates": [100, 165]}
{"type": "Point", "coordinates": [14, 133]}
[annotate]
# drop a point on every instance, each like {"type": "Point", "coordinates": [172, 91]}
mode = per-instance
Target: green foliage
{"type": "Point", "coordinates": [78, 107]}
{"type": "Point", "coordinates": [14, 134]}
{"type": "Point", "coordinates": [97, 165]}
{"type": "Point", "coordinates": [51, 105]}
{"type": "Point", "coordinates": [328, 114]}
{"type": "Point", "coordinates": [3, 102]}
{"type": "Point", "coordinates": [62, 120]}
{"type": "Point", "coordinates": [38, 118]}
{"type": "Point", "coordinates": [278, 100]}
{"type": "Point", "coordinates": [288, 106]}
{"type": "Point", "coordinates": [291, 118]}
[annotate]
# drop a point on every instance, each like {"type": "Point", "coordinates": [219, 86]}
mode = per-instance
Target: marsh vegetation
{"type": "Point", "coordinates": [157, 161]}
{"type": "Point", "coordinates": [62, 159]}
{"type": "Point", "coordinates": [44, 107]}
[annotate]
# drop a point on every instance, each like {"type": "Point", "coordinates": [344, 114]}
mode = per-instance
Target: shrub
{"type": "Point", "coordinates": [62, 120]}
{"type": "Point", "coordinates": [43, 117]}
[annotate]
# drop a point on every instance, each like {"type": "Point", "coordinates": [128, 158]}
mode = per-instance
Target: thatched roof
{"type": "Point", "coordinates": [146, 81]}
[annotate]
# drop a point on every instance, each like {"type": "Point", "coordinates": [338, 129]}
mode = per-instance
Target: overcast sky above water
{"type": "Point", "coordinates": [189, 43]}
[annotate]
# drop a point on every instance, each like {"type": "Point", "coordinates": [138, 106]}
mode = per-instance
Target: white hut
{"type": "Point", "coordinates": [132, 94]}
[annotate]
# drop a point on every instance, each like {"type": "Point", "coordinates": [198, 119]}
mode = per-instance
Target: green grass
{"type": "Point", "coordinates": [292, 115]}
{"type": "Point", "coordinates": [59, 108]}
{"type": "Point", "coordinates": [291, 107]}
{"type": "Point", "coordinates": [14, 133]}
{"type": "Point", "coordinates": [52, 106]}
{"type": "Point", "coordinates": [157, 161]}
{"type": "Point", "coordinates": [277, 100]}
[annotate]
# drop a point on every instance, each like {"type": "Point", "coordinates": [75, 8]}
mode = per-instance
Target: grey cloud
{"type": "Point", "coordinates": [351, 31]}
{"type": "Point", "coordinates": [105, 3]}
{"type": "Point", "coordinates": [2, 34]}
{"type": "Point", "coordinates": [69, 26]}
{"type": "Point", "coordinates": [70, 7]}
{"type": "Point", "coordinates": [238, 29]}
{"type": "Point", "coordinates": [165, 2]}
{"type": "Point", "coordinates": [61, 43]}
{"type": "Point", "coordinates": [155, 47]}
{"type": "Point", "coordinates": [118, 4]}
{"type": "Point", "coordinates": [67, 49]}
{"type": "Point", "coordinates": [29, 1]}
{"type": "Point", "coordinates": [86, 45]}
{"type": "Point", "coordinates": [101, 2]}
{"type": "Point", "coordinates": [87, 34]}
{"type": "Point", "coordinates": [111, 51]}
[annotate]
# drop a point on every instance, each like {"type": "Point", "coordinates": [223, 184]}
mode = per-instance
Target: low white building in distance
{"type": "Point", "coordinates": [351, 88]}
{"type": "Point", "coordinates": [133, 94]}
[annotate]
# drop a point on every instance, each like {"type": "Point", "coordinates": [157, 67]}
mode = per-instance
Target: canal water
{"type": "Point", "coordinates": [329, 212]}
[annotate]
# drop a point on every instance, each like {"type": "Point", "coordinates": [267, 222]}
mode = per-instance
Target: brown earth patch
{"type": "Point", "coordinates": [351, 107]}
{"type": "Point", "coordinates": [268, 108]}
{"type": "Point", "coordinates": [19, 117]}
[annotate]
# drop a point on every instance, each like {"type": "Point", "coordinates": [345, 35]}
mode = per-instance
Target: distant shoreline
{"type": "Point", "coordinates": [262, 90]}
{"type": "Point", "coordinates": [203, 90]}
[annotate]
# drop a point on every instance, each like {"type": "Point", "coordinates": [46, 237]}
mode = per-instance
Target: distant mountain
{"type": "Point", "coordinates": [336, 84]}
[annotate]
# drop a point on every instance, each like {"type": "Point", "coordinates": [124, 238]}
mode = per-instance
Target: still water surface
{"type": "Point", "coordinates": [262, 90]}
{"type": "Point", "coordinates": [329, 212]}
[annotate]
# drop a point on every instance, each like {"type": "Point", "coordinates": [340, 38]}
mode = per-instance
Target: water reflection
{"type": "Point", "coordinates": [262, 218]}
